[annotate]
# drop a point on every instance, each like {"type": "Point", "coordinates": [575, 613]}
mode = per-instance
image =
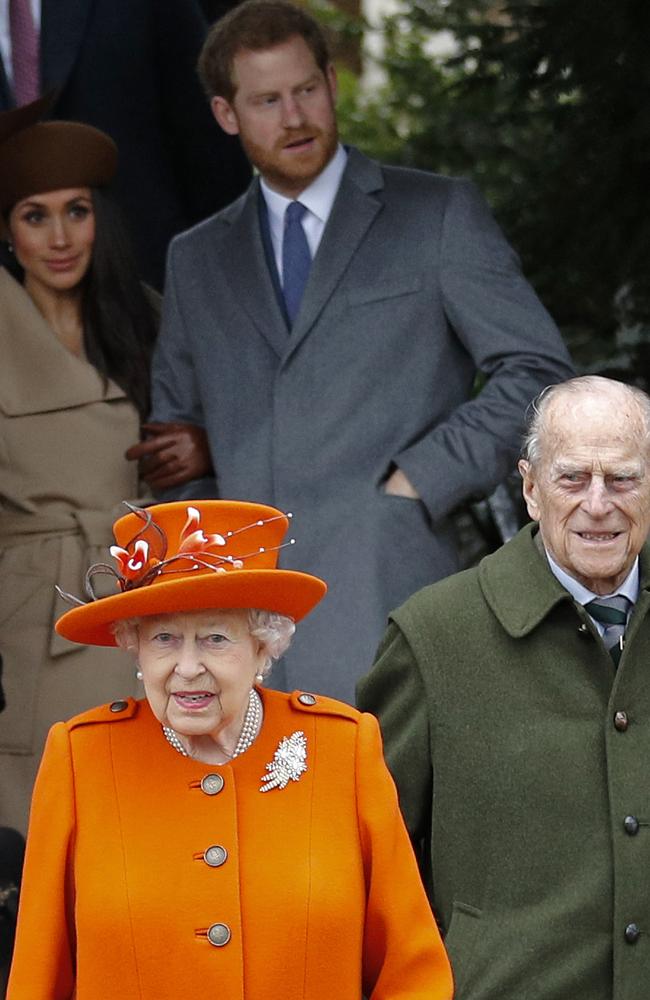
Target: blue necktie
{"type": "Point", "coordinates": [296, 259]}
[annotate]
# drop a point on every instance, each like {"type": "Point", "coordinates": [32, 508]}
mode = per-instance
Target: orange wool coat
{"type": "Point", "coordinates": [319, 887]}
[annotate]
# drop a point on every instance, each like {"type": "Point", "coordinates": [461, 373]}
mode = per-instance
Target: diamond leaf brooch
{"type": "Point", "coordinates": [289, 762]}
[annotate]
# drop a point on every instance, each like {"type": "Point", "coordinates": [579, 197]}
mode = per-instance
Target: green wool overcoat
{"type": "Point", "coordinates": [522, 759]}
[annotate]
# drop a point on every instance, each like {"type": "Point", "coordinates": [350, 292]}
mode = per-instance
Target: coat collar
{"type": "Point", "coordinates": [353, 212]}
{"type": "Point", "coordinates": [355, 207]}
{"type": "Point", "coordinates": [248, 274]}
{"type": "Point", "coordinates": [520, 588]}
{"type": "Point", "coordinates": [6, 96]}
{"type": "Point", "coordinates": [38, 374]}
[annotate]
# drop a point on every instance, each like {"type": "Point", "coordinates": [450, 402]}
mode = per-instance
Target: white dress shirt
{"type": "Point", "coordinates": [318, 199]}
{"type": "Point", "coordinates": [581, 595]}
{"type": "Point", "coordinates": [5, 37]}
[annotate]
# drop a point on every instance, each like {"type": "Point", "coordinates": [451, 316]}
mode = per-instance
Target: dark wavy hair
{"type": "Point", "coordinates": [119, 320]}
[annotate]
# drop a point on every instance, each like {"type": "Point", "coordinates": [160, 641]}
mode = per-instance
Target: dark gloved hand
{"type": "Point", "coordinates": [172, 454]}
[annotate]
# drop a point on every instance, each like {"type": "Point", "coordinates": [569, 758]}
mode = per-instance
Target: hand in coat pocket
{"type": "Point", "coordinates": [399, 485]}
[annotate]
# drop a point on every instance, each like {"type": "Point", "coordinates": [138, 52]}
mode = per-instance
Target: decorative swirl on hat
{"type": "Point", "coordinates": [138, 565]}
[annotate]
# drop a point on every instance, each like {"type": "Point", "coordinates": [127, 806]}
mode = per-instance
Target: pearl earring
{"type": "Point", "coordinates": [10, 247]}
{"type": "Point", "coordinates": [138, 674]}
{"type": "Point", "coordinates": [259, 678]}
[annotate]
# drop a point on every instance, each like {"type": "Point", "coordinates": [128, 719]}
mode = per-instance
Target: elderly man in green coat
{"type": "Point", "coordinates": [514, 700]}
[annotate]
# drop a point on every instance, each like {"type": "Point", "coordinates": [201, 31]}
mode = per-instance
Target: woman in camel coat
{"type": "Point", "coordinates": [75, 336]}
{"type": "Point", "coordinates": [217, 839]}
{"type": "Point", "coordinates": [76, 333]}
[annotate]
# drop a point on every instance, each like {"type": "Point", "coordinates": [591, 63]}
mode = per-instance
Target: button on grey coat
{"type": "Point", "coordinates": [413, 289]}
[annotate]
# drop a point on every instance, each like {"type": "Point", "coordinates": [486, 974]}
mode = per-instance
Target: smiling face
{"type": "Point", "coordinates": [590, 489]}
{"type": "Point", "coordinates": [198, 669]}
{"type": "Point", "coordinates": [53, 236]}
{"type": "Point", "coordinates": [283, 111]}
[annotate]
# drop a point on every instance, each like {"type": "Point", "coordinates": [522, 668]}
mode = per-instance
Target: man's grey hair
{"type": "Point", "coordinates": [272, 629]}
{"type": "Point", "coordinates": [537, 411]}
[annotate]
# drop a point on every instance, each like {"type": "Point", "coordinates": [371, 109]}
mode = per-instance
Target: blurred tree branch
{"type": "Point", "coordinates": [544, 103]}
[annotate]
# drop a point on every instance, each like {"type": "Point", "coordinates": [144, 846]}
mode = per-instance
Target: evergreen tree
{"type": "Point", "coordinates": [544, 103]}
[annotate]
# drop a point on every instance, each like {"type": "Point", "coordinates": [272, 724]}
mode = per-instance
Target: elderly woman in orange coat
{"type": "Point", "coordinates": [216, 838]}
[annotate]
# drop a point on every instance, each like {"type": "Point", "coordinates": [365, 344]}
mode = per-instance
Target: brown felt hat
{"type": "Point", "coordinates": [37, 156]}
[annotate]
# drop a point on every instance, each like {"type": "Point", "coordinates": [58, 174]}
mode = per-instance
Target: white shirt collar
{"type": "Point", "coordinates": [318, 198]}
{"type": "Point", "coordinates": [629, 588]}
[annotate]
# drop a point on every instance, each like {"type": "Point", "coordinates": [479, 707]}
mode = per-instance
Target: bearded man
{"type": "Point", "coordinates": [326, 330]}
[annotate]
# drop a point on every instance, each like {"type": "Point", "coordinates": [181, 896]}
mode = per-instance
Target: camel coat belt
{"type": "Point", "coordinates": [92, 526]}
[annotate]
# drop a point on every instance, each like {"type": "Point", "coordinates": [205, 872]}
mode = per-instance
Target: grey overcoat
{"type": "Point", "coordinates": [413, 289]}
{"type": "Point", "coordinates": [522, 760]}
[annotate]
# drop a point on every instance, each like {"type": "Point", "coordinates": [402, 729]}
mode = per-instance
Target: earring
{"type": "Point", "coordinates": [259, 678]}
{"type": "Point", "coordinates": [138, 674]}
{"type": "Point", "coordinates": [10, 247]}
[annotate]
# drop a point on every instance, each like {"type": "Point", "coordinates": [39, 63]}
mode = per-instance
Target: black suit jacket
{"type": "Point", "coordinates": [129, 68]}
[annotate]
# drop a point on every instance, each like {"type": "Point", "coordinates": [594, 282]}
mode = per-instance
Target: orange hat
{"type": "Point", "coordinates": [37, 156]}
{"type": "Point", "coordinates": [189, 556]}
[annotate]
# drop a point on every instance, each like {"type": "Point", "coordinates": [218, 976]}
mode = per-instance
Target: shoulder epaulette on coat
{"type": "Point", "coordinates": [114, 711]}
{"type": "Point", "coordinates": [305, 701]}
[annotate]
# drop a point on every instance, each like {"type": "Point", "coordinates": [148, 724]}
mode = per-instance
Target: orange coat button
{"type": "Point", "coordinates": [211, 784]}
{"type": "Point", "coordinates": [219, 935]}
{"type": "Point", "coordinates": [215, 856]}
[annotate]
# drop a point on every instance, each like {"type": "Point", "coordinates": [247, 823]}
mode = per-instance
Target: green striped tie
{"type": "Point", "coordinates": [611, 612]}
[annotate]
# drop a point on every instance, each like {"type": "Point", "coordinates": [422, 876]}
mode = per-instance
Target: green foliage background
{"type": "Point", "coordinates": [546, 105]}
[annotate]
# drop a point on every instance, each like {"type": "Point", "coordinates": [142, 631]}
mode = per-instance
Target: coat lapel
{"type": "Point", "coordinates": [243, 260]}
{"type": "Point", "coordinates": [38, 374]}
{"type": "Point", "coordinates": [521, 611]}
{"type": "Point", "coordinates": [500, 575]}
{"type": "Point", "coordinates": [353, 212]}
{"type": "Point", "coordinates": [61, 38]}
{"type": "Point", "coordinates": [6, 96]}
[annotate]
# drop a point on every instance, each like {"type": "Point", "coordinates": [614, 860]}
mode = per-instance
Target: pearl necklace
{"type": "Point", "coordinates": [249, 729]}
